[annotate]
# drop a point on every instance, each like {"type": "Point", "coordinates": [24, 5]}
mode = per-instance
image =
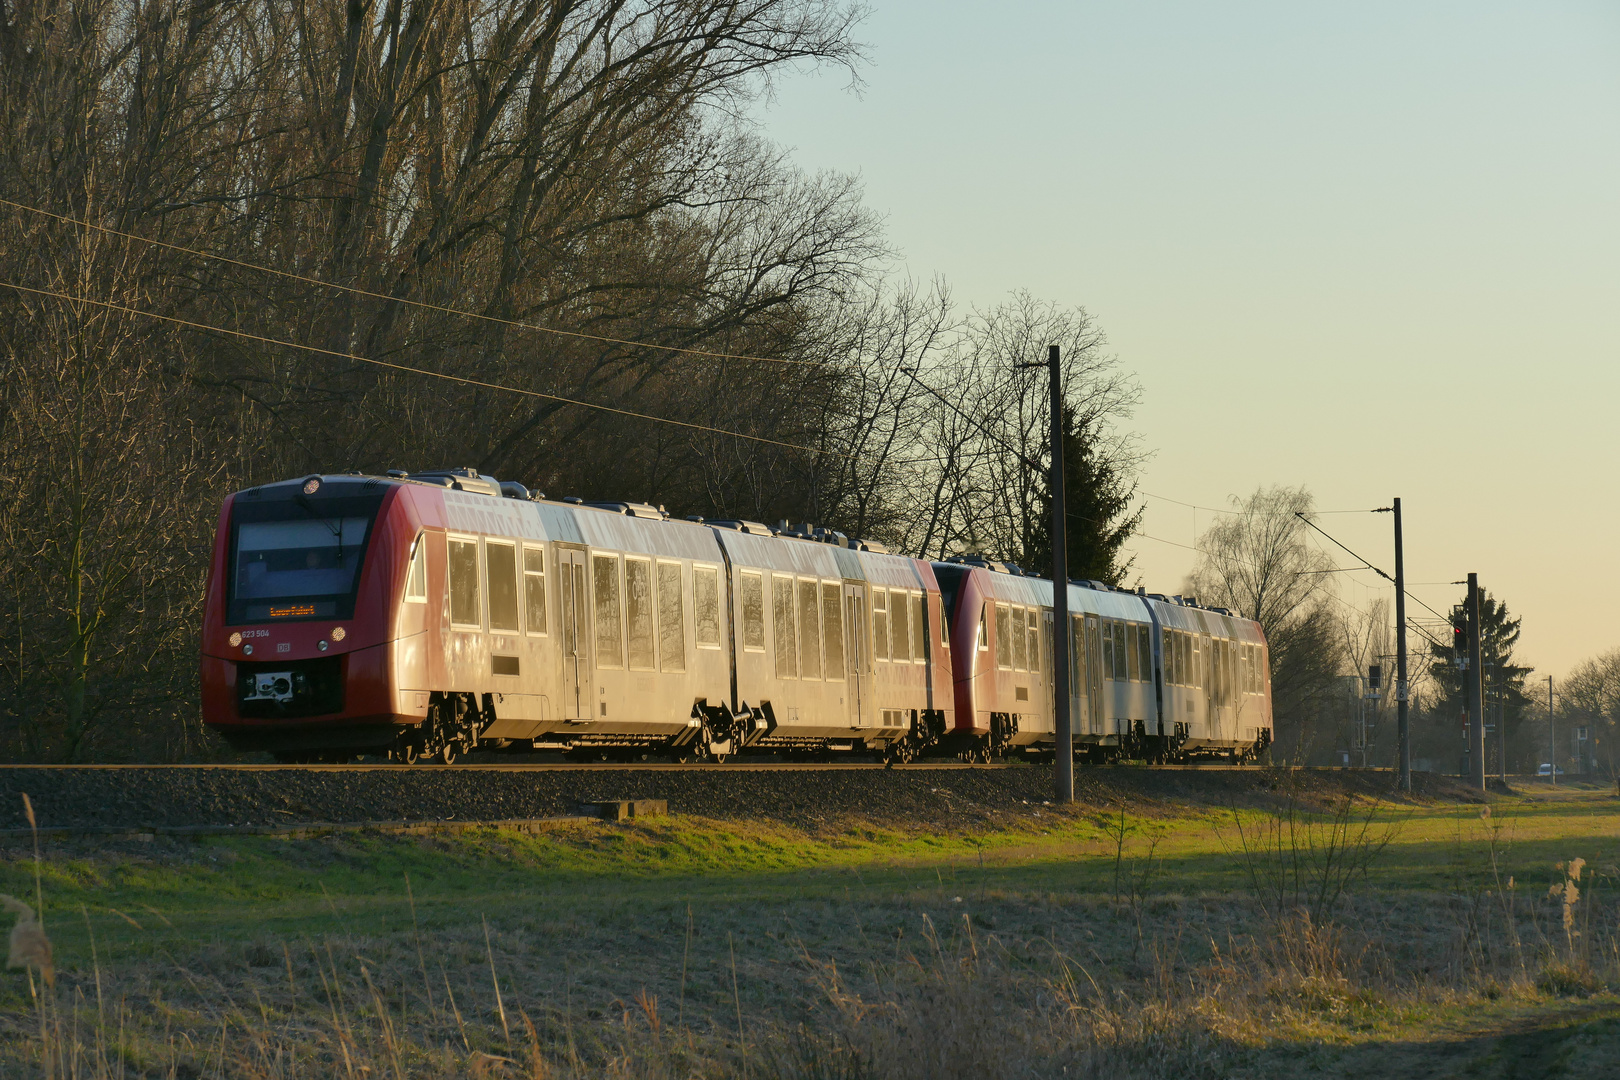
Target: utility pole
{"type": "Point", "coordinates": [1476, 690]}
{"type": "Point", "coordinates": [1064, 756]}
{"type": "Point", "coordinates": [1402, 718]}
{"type": "Point", "coordinates": [1552, 737]}
{"type": "Point", "coordinates": [1501, 727]}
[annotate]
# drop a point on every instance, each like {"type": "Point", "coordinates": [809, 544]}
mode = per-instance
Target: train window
{"type": "Point", "coordinates": [1184, 659]}
{"type": "Point", "coordinates": [944, 626]}
{"type": "Point", "coordinates": [752, 586]}
{"type": "Point", "coordinates": [832, 628]}
{"type": "Point", "coordinates": [787, 646]}
{"type": "Point", "coordinates": [1133, 659]}
{"type": "Point", "coordinates": [1034, 615]}
{"type": "Point", "coordinates": [671, 619]}
{"type": "Point", "coordinates": [1144, 652]}
{"type": "Point", "coordinates": [1020, 639]}
{"type": "Point", "coordinates": [706, 606]}
{"type": "Point", "coordinates": [609, 620]}
{"type": "Point", "coordinates": [983, 636]}
{"type": "Point", "coordinates": [534, 589]}
{"type": "Point", "coordinates": [1108, 648]}
{"type": "Point", "coordinates": [880, 623]}
{"type": "Point", "coordinates": [464, 584]}
{"type": "Point", "coordinates": [900, 626]}
{"type": "Point", "coordinates": [1004, 653]}
{"type": "Point", "coordinates": [638, 613]}
{"type": "Point", "coordinates": [919, 628]}
{"type": "Point", "coordinates": [416, 575]}
{"type": "Point", "coordinates": [500, 560]}
{"type": "Point", "coordinates": [809, 631]}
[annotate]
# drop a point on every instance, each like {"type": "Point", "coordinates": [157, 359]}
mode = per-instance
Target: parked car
{"type": "Point", "coordinates": [1547, 770]}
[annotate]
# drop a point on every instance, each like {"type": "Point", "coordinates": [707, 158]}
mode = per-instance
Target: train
{"type": "Point", "coordinates": [420, 616]}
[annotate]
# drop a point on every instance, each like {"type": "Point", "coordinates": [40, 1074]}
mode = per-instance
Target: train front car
{"type": "Point", "coordinates": [301, 615]}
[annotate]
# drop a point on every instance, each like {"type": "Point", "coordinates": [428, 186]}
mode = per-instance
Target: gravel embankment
{"type": "Point", "coordinates": [159, 797]}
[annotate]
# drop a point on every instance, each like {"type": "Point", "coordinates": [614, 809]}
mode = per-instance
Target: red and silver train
{"type": "Point", "coordinates": [421, 615]}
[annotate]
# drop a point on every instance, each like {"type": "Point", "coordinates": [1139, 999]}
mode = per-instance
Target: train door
{"type": "Point", "coordinates": [1210, 670]}
{"type": "Point", "coordinates": [1094, 674]}
{"type": "Point", "coordinates": [576, 604]}
{"type": "Point", "coordinates": [1079, 676]}
{"type": "Point", "coordinates": [855, 652]}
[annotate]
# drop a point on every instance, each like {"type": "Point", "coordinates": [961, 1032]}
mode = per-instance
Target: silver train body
{"type": "Point", "coordinates": [611, 630]}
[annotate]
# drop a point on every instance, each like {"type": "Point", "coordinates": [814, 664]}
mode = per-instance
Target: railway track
{"type": "Point", "coordinates": [659, 766]}
{"type": "Point", "coordinates": [176, 799]}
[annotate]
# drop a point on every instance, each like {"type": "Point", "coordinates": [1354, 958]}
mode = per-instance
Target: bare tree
{"type": "Point", "coordinates": [1591, 696]}
{"type": "Point", "coordinates": [1258, 561]}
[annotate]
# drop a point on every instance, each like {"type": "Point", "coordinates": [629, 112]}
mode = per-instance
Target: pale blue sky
{"type": "Point", "coordinates": [1335, 242]}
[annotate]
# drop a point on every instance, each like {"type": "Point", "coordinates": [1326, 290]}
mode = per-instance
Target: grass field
{"type": "Point", "coordinates": [1300, 937]}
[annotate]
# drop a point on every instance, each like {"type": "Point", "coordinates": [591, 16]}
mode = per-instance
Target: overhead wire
{"type": "Point", "coordinates": [176, 320]}
{"type": "Point", "coordinates": [372, 294]}
{"type": "Point", "coordinates": [536, 327]}
{"type": "Point", "coordinates": [1366, 564]}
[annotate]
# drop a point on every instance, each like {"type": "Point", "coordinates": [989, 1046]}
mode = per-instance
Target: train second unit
{"type": "Point", "coordinates": [419, 616]}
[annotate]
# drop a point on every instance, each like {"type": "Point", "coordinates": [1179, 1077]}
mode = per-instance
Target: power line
{"type": "Point", "coordinates": [1364, 562]}
{"type": "Point", "coordinates": [443, 309]}
{"type": "Point", "coordinates": [415, 371]}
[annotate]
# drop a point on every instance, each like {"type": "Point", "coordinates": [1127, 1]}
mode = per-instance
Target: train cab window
{"type": "Point", "coordinates": [1034, 617]}
{"type": "Point", "coordinates": [900, 627]}
{"type": "Point", "coordinates": [944, 626]}
{"type": "Point", "coordinates": [1004, 646]}
{"type": "Point", "coordinates": [1108, 648]}
{"type": "Point", "coordinates": [1144, 652]}
{"type": "Point", "coordinates": [919, 627]}
{"type": "Point", "coordinates": [706, 606]}
{"type": "Point", "coordinates": [809, 631]}
{"type": "Point", "coordinates": [638, 613]}
{"type": "Point", "coordinates": [832, 628]}
{"type": "Point", "coordinates": [609, 620]}
{"type": "Point", "coordinates": [671, 619]}
{"type": "Point", "coordinates": [787, 645]}
{"type": "Point", "coordinates": [501, 561]}
{"type": "Point", "coordinates": [1133, 642]}
{"type": "Point", "coordinates": [464, 584]}
{"type": "Point", "coordinates": [534, 589]}
{"type": "Point", "coordinates": [416, 573]}
{"type": "Point", "coordinates": [751, 584]}
{"type": "Point", "coordinates": [983, 635]}
{"type": "Point", "coordinates": [880, 623]}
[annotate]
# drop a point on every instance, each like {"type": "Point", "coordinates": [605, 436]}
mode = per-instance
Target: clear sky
{"type": "Point", "coordinates": [1373, 248]}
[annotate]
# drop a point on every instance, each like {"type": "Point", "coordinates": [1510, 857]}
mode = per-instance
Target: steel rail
{"type": "Point", "coordinates": [659, 766]}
